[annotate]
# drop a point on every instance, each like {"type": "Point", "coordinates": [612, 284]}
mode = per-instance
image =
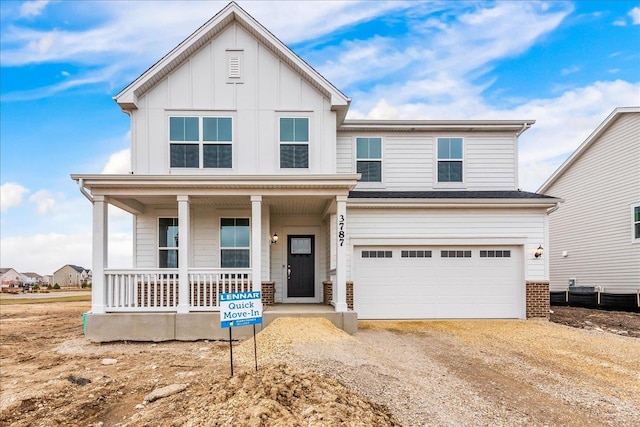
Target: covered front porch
{"type": "Point", "coordinates": [196, 237]}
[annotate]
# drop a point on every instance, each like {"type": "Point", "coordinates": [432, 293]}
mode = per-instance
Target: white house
{"type": "Point", "coordinates": [11, 278]}
{"type": "Point", "coordinates": [236, 141]}
{"type": "Point", "coordinates": [595, 235]}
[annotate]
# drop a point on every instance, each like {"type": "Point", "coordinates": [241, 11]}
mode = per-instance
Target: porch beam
{"type": "Point", "coordinates": [340, 289]}
{"type": "Point", "coordinates": [183, 254]}
{"type": "Point", "coordinates": [100, 243]}
{"type": "Point", "coordinates": [256, 242]}
{"type": "Point", "coordinates": [129, 205]}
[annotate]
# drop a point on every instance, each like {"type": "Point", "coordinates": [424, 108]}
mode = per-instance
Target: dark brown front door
{"type": "Point", "coordinates": [300, 266]}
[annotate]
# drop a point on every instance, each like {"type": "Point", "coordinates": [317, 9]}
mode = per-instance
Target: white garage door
{"type": "Point", "coordinates": [438, 282]}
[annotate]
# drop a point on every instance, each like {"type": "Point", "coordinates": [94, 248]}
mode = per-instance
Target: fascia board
{"type": "Point", "coordinates": [435, 125]}
{"type": "Point", "coordinates": [448, 203]}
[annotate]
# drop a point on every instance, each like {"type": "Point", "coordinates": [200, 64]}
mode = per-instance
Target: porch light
{"type": "Point", "coordinates": [538, 253]}
{"type": "Point", "coordinates": [273, 239]}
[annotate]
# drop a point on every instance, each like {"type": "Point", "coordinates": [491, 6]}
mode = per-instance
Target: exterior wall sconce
{"type": "Point", "coordinates": [538, 253]}
{"type": "Point", "coordinates": [273, 239]}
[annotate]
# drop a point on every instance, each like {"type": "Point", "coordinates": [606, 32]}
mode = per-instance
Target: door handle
{"type": "Point", "coordinates": [288, 272]}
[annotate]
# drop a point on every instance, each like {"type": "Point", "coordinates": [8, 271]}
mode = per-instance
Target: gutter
{"type": "Point", "coordinates": [525, 126]}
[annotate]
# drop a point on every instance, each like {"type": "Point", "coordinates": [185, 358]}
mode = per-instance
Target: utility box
{"type": "Point", "coordinates": [572, 282]}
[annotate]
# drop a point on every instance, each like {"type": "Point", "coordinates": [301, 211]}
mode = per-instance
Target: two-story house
{"type": "Point", "coordinates": [246, 174]}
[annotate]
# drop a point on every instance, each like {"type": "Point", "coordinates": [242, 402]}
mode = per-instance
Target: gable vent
{"type": "Point", "coordinates": [234, 67]}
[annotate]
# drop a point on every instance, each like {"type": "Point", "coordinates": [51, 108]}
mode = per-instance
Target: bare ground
{"type": "Point", "coordinates": [390, 373]}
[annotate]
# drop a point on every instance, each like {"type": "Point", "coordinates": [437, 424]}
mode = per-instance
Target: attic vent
{"type": "Point", "coordinates": [234, 67]}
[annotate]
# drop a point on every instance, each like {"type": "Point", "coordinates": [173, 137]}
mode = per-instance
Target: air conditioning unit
{"type": "Point", "coordinates": [572, 282]}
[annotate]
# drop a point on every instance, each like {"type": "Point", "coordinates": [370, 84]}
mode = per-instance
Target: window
{"type": "Point", "coordinates": [636, 223]}
{"type": "Point", "coordinates": [377, 254]}
{"type": "Point", "coordinates": [200, 142]}
{"type": "Point", "coordinates": [294, 142]}
{"type": "Point", "coordinates": [455, 254]}
{"type": "Point", "coordinates": [450, 159]}
{"type": "Point", "coordinates": [416, 254]}
{"type": "Point", "coordinates": [369, 159]}
{"type": "Point", "coordinates": [168, 242]}
{"type": "Point", "coordinates": [234, 243]}
{"type": "Point", "coordinates": [495, 254]}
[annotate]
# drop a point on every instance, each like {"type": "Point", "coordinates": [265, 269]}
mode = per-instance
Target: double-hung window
{"type": "Point", "coordinates": [168, 242]}
{"type": "Point", "coordinates": [450, 160]}
{"type": "Point", "coordinates": [369, 159]}
{"type": "Point", "coordinates": [234, 243]}
{"type": "Point", "coordinates": [294, 142]}
{"type": "Point", "coordinates": [201, 142]}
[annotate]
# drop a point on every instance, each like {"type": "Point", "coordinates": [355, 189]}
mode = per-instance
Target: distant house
{"type": "Point", "coordinates": [594, 238]}
{"type": "Point", "coordinates": [11, 278]}
{"type": "Point", "coordinates": [70, 276]}
{"type": "Point", "coordinates": [32, 278]}
{"type": "Point", "coordinates": [47, 279]}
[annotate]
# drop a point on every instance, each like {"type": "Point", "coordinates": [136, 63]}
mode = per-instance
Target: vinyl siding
{"type": "Point", "coordinates": [594, 224]}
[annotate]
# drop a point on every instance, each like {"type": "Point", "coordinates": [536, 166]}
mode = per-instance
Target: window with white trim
{"type": "Point", "coordinates": [168, 242]}
{"type": "Point", "coordinates": [455, 254]}
{"type": "Point", "coordinates": [495, 253]}
{"type": "Point", "coordinates": [416, 254]}
{"type": "Point", "coordinates": [235, 243]}
{"type": "Point", "coordinates": [636, 223]}
{"type": "Point", "coordinates": [294, 142]}
{"type": "Point", "coordinates": [369, 159]}
{"type": "Point", "coordinates": [200, 142]}
{"type": "Point", "coordinates": [377, 254]}
{"type": "Point", "coordinates": [450, 159]}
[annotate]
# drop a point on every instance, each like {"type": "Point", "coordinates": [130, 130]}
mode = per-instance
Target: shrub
{"type": "Point", "coordinates": [56, 286]}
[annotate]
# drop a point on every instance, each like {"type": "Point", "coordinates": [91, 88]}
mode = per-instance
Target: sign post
{"type": "Point", "coordinates": [241, 309]}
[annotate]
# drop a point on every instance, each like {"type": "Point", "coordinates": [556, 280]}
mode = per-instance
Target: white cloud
{"type": "Point", "coordinates": [119, 163]}
{"type": "Point", "coordinates": [45, 253]}
{"type": "Point", "coordinates": [620, 23]}
{"type": "Point", "coordinates": [11, 195]}
{"type": "Point", "coordinates": [32, 8]}
{"type": "Point", "coordinates": [44, 202]}
{"type": "Point", "coordinates": [635, 15]}
{"type": "Point", "coordinates": [569, 70]}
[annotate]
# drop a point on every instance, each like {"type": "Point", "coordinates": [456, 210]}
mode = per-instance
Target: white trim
{"type": "Point", "coordinates": [369, 184]}
{"type": "Point", "coordinates": [294, 115]}
{"type": "Point", "coordinates": [634, 239]}
{"type": "Point", "coordinates": [311, 230]}
{"type": "Point", "coordinates": [449, 184]}
{"type": "Point", "coordinates": [157, 239]}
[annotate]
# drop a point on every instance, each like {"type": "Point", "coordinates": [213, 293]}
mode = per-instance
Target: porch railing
{"type": "Point", "coordinates": [148, 290]}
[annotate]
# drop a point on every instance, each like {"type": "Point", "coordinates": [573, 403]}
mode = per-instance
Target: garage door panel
{"type": "Point", "coordinates": [437, 287]}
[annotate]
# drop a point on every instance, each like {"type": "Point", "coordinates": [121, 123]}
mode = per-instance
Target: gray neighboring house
{"type": "Point", "coordinates": [594, 237]}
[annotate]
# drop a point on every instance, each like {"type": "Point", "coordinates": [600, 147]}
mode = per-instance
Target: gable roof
{"type": "Point", "coordinates": [75, 267]}
{"type": "Point", "coordinates": [606, 124]}
{"type": "Point", "coordinates": [127, 98]}
{"type": "Point", "coordinates": [32, 275]}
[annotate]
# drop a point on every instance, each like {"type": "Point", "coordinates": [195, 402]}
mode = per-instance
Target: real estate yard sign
{"type": "Point", "coordinates": [240, 309]}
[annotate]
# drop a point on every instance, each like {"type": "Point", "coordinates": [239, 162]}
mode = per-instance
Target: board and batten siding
{"type": "Point", "coordinates": [594, 224]}
{"type": "Point", "coordinates": [459, 227]}
{"type": "Point", "coordinates": [409, 161]}
{"type": "Point", "coordinates": [268, 89]}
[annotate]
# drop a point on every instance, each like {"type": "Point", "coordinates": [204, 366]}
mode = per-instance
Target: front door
{"type": "Point", "coordinates": [300, 266]}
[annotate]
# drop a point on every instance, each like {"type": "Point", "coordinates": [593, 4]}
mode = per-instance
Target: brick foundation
{"type": "Point", "coordinates": [538, 299]}
{"type": "Point", "coordinates": [327, 293]}
{"type": "Point", "coordinates": [268, 293]}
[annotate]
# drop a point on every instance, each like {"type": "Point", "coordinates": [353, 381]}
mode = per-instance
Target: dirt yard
{"type": "Point", "coordinates": [391, 373]}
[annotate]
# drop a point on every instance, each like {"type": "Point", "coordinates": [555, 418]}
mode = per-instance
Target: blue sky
{"type": "Point", "coordinates": [565, 64]}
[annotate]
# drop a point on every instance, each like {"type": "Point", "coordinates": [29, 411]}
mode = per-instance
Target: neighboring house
{"type": "Point", "coordinates": [595, 235]}
{"type": "Point", "coordinates": [32, 278]}
{"type": "Point", "coordinates": [236, 141]}
{"type": "Point", "coordinates": [47, 279]}
{"type": "Point", "coordinates": [69, 276]}
{"type": "Point", "coordinates": [85, 277]}
{"type": "Point", "coordinates": [11, 278]}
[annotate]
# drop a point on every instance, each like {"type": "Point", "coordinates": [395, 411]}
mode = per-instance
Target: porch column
{"type": "Point", "coordinates": [256, 242]}
{"type": "Point", "coordinates": [100, 253]}
{"type": "Point", "coordinates": [340, 287]}
{"type": "Point", "coordinates": [183, 254]}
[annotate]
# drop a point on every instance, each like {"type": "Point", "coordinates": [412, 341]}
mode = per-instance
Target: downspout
{"type": "Point", "coordinates": [553, 209]}
{"type": "Point", "coordinates": [525, 126]}
{"type": "Point", "coordinates": [84, 190]}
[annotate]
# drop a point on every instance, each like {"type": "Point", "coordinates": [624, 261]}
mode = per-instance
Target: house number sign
{"type": "Point", "coordinates": [341, 230]}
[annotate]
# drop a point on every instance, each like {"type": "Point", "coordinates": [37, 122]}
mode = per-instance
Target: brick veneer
{"type": "Point", "coordinates": [538, 299]}
{"type": "Point", "coordinates": [327, 293]}
{"type": "Point", "coordinates": [268, 293]}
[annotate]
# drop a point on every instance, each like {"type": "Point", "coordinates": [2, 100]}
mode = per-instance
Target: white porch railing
{"type": "Point", "coordinates": [153, 290]}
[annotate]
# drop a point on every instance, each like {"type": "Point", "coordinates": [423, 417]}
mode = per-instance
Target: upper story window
{"type": "Point", "coordinates": [201, 142]}
{"type": "Point", "coordinates": [636, 223]}
{"type": "Point", "coordinates": [450, 159]}
{"type": "Point", "coordinates": [294, 142]}
{"type": "Point", "coordinates": [168, 242]}
{"type": "Point", "coordinates": [369, 159]}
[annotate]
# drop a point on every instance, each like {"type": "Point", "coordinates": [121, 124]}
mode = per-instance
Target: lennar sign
{"type": "Point", "coordinates": [240, 309]}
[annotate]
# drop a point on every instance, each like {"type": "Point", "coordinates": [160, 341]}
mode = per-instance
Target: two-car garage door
{"type": "Point", "coordinates": [438, 282]}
